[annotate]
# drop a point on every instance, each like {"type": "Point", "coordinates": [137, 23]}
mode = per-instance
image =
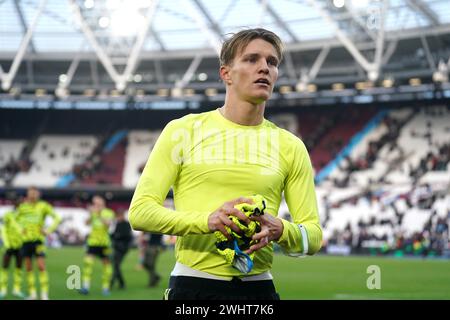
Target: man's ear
{"type": "Point", "coordinates": [225, 74]}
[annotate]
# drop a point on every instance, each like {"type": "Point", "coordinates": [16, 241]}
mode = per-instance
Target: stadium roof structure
{"type": "Point", "coordinates": [169, 46]}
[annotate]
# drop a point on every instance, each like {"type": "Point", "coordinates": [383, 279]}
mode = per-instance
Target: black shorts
{"type": "Point", "coordinates": [13, 252]}
{"type": "Point", "coordinates": [33, 248]}
{"type": "Point", "coordinates": [16, 253]}
{"type": "Point", "coordinates": [192, 288]}
{"type": "Point", "coordinates": [99, 251]}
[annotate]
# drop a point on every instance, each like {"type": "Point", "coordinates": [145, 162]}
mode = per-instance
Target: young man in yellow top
{"type": "Point", "coordinates": [98, 244]}
{"type": "Point", "coordinates": [11, 234]}
{"type": "Point", "coordinates": [214, 161]}
{"type": "Point", "coordinates": [32, 215]}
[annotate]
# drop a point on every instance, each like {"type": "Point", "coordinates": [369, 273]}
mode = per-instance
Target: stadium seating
{"type": "Point", "coordinates": [344, 127]}
{"type": "Point", "coordinates": [109, 169]}
{"type": "Point", "coordinates": [398, 192]}
{"type": "Point", "coordinates": [73, 228]}
{"type": "Point", "coordinates": [140, 143]}
{"type": "Point", "coordinates": [54, 156]}
{"type": "Point", "coordinates": [363, 168]}
{"type": "Point", "coordinates": [10, 151]}
{"type": "Point", "coordinates": [422, 135]}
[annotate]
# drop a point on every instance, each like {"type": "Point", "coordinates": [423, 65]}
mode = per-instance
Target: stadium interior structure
{"type": "Point", "coordinates": [85, 92]}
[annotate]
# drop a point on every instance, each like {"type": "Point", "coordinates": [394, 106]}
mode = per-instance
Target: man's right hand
{"type": "Point", "coordinates": [220, 218]}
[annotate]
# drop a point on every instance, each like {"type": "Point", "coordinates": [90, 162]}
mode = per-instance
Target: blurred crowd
{"type": "Point", "coordinates": [432, 240]}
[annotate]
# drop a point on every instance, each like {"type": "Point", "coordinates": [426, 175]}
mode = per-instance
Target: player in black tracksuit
{"type": "Point", "coordinates": [152, 250]}
{"type": "Point", "coordinates": [121, 238]}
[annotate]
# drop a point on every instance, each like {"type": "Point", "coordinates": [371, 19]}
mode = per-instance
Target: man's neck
{"type": "Point", "coordinates": [243, 113]}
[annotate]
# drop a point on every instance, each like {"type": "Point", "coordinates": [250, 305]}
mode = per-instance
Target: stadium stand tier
{"type": "Point", "coordinates": [386, 191]}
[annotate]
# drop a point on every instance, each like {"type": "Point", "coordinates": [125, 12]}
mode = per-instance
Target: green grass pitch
{"type": "Point", "coordinates": [317, 277]}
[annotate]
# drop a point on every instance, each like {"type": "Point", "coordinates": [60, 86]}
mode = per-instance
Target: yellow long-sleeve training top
{"type": "Point", "coordinates": [209, 160]}
{"type": "Point", "coordinates": [31, 216]}
{"type": "Point", "coordinates": [11, 231]}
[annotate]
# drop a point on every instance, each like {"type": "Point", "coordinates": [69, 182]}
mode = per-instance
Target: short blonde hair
{"type": "Point", "coordinates": [241, 39]}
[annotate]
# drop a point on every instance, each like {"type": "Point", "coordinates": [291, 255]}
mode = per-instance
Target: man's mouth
{"type": "Point", "coordinates": [263, 81]}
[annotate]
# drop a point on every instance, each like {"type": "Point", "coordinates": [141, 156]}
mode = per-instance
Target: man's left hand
{"type": "Point", "coordinates": [271, 230]}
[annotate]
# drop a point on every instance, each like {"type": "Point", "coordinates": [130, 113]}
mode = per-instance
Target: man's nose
{"type": "Point", "coordinates": [263, 67]}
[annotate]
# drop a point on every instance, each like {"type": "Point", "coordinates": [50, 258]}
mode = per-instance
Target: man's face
{"type": "Point", "coordinates": [98, 203]}
{"type": "Point", "coordinates": [253, 72]}
{"type": "Point", "coordinates": [33, 195]}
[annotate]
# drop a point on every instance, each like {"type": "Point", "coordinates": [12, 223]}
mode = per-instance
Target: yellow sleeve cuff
{"type": "Point", "coordinates": [294, 239]}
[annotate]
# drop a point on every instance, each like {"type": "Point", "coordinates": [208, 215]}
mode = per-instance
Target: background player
{"type": "Point", "coordinates": [98, 244]}
{"type": "Point", "coordinates": [11, 233]}
{"type": "Point", "coordinates": [32, 214]}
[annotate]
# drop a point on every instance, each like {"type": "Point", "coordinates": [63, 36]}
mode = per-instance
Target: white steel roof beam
{"type": "Point", "coordinates": [389, 51]}
{"type": "Point", "coordinates": [158, 71]}
{"type": "Point", "coordinates": [189, 72]}
{"type": "Point", "coordinates": [23, 23]}
{"type": "Point", "coordinates": [7, 78]}
{"type": "Point", "coordinates": [213, 39]}
{"type": "Point", "coordinates": [346, 41]}
{"type": "Point", "coordinates": [280, 21]}
{"type": "Point", "coordinates": [228, 9]}
{"type": "Point", "coordinates": [262, 12]}
{"type": "Point", "coordinates": [428, 54]}
{"type": "Point", "coordinates": [423, 9]}
{"type": "Point", "coordinates": [134, 55]}
{"type": "Point", "coordinates": [30, 74]}
{"type": "Point", "coordinates": [372, 68]}
{"type": "Point", "coordinates": [213, 25]}
{"type": "Point", "coordinates": [120, 80]}
{"type": "Point", "coordinates": [315, 68]}
{"type": "Point", "coordinates": [63, 85]}
{"type": "Point", "coordinates": [318, 63]}
{"type": "Point", "coordinates": [158, 39]}
{"type": "Point", "coordinates": [379, 48]}
{"type": "Point", "coordinates": [93, 67]}
{"type": "Point", "coordinates": [207, 52]}
{"type": "Point", "coordinates": [290, 67]}
{"type": "Point", "coordinates": [101, 54]}
{"type": "Point", "coordinates": [360, 21]}
{"type": "Point", "coordinates": [413, 33]}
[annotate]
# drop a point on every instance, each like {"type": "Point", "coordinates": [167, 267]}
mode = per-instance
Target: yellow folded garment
{"type": "Point", "coordinates": [233, 250]}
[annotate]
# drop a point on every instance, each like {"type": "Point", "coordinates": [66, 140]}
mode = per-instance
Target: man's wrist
{"type": "Point", "coordinates": [282, 236]}
{"type": "Point", "coordinates": [279, 229]}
